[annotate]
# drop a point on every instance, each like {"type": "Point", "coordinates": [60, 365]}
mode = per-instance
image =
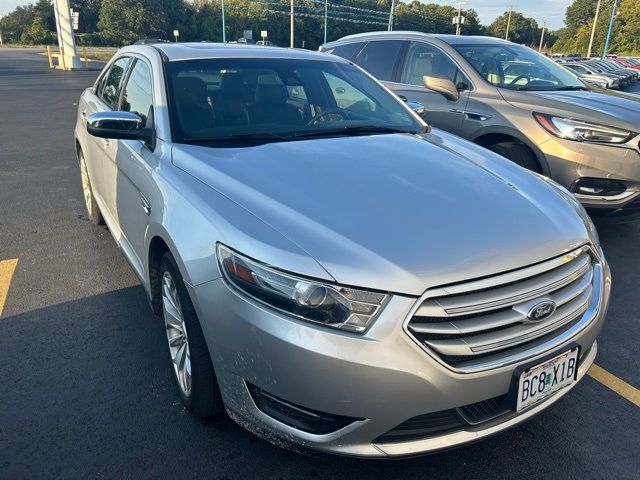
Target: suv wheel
{"type": "Point", "coordinates": [190, 359]}
{"type": "Point", "coordinates": [518, 154]}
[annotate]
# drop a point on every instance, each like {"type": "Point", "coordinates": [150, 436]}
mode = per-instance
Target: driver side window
{"type": "Point", "coordinates": [424, 59]}
{"type": "Point", "coordinates": [109, 92]}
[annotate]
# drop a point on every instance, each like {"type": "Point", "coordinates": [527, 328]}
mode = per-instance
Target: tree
{"type": "Point", "coordinates": [523, 30]}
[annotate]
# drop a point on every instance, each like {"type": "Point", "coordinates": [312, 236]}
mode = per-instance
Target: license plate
{"type": "Point", "coordinates": [545, 379]}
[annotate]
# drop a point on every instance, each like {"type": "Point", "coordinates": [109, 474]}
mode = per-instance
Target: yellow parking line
{"type": "Point", "coordinates": [619, 386]}
{"type": "Point", "coordinates": [7, 267]}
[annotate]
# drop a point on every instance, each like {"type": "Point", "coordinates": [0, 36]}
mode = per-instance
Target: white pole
{"type": "Point", "coordinates": [506, 35]}
{"type": "Point", "coordinates": [326, 6]}
{"type": "Point", "coordinates": [593, 29]}
{"type": "Point", "coordinates": [224, 25]}
{"type": "Point", "coordinates": [458, 19]}
{"type": "Point", "coordinates": [393, 7]}
{"type": "Point", "coordinates": [292, 42]}
{"type": "Point", "coordinates": [544, 25]}
{"type": "Point", "coordinates": [66, 38]}
{"type": "Point", "coordinates": [1, 44]}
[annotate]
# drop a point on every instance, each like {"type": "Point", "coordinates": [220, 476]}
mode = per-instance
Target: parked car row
{"type": "Point", "coordinates": [611, 73]}
{"type": "Point", "coordinates": [334, 272]}
{"type": "Point", "coordinates": [518, 103]}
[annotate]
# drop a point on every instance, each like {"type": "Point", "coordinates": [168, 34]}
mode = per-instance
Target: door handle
{"type": "Point", "coordinates": [146, 206]}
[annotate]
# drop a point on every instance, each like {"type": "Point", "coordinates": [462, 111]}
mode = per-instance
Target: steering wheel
{"type": "Point", "coordinates": [519, 77]}
{"type": "Point", "coordinates": [324, 113]}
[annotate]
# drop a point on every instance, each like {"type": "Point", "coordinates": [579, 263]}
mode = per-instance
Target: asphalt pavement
{"type": "Point", "coordinates": [86, 388]}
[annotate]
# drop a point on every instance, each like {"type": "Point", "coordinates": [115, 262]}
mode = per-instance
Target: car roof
{"type": "Point", "coordinates": [201, 50]}
{"type": "Point", "coordinates": [398, 34]}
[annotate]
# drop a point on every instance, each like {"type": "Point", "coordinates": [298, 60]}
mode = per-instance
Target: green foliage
{"type": "Point", "coordinates": [522, 30]}
{"type": "Point", "coordinates": [114, 22]}
{"type": "Point", "coordinates": [625, 39]}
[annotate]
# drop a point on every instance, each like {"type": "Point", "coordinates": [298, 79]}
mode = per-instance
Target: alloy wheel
{"type": "Point", "coordinates": [176, 334]}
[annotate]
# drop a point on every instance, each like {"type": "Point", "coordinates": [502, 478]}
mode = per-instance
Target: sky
{"type": "Point", "coordinates": [488, 10]}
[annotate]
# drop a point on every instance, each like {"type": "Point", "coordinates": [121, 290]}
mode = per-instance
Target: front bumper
{"type": "Point", "coordinates": [568, 161]}
{"type": "Point", "coordinates": [381, 378]}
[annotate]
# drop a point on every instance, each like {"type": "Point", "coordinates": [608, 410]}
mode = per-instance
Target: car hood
{"type": "Point", "coordinates": [399, 213]}
{"type": "Point", "coordinates": [609, 108]}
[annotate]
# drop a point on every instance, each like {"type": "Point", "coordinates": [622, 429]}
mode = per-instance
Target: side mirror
{"type": "Point", "coordinates": [119, 125]}
{"type": "Point", "coordinates": [441, 85]}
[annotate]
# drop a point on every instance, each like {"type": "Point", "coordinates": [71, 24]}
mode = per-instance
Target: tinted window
{"type": "Point", "coordinates": [347, 51]}
{"type": "Point", "coordinates": [424, 59]}
{"type": "Point", "coordinates": [136, 96]}
{"type": "Point", "coordinates": [380, 58]}
{"type": "Point", "coordinates": [223, 99]}
{"type": "Point", "coordinates": [111, 90]}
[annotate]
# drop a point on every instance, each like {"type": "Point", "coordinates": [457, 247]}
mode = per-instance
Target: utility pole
{"type": "Point", "coordinates": [326, 6]}
{"type": "Point", "coordinates": [506, 35]}
{"type": "Point", "coordinates": [593, 29]}
{"type": "Point", "coordinates": [613, 17]}
{"type": "Point", "coordinates": [458, 23]}
{"type": "Point", "coordinates": [1, 44]}
{"type": "Point", "coordinates": [291, 24]}
{"type": "Point", "coordinates": [224, 25]}
{"type": "Point", "coordinates": [393, 7]}
{"type": "Point", "coordinates": [544, 26]}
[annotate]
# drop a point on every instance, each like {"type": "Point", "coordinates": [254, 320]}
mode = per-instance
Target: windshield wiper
{"type": "Point", "coordinates": [250, 136]}
{"type": "Point", "coordinates": [353, 130]}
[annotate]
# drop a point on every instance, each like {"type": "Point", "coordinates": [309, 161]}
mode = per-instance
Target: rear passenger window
{"type": "Point", "coordinates": [380, 58]}
{"type": "Point", "coordinates": [136, 96]}
{"type": "Point", "coordinates": [424, 59]}
{"type": "Point", "coordinates": [347, 51]}
{"type": "Point", "coordinates": [111, 90]}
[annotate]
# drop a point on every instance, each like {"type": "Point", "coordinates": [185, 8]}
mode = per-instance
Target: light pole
{"type": "Point", "coordinates": [326, 6]}
{"type": "Point", "coordinates": [224, 26]}
{"type": "Point", "coordinates": [506, 35]}
{"type": "Point", "coordinates": [393, 7]}
{"type": "Point", "coordinates": [613, 17]}
{"type": "Point", "coordinates": [593, 29]}
{"type": "Point", "coordinates": [1, 44]}
{"type": "Point", "coordinates": [544, 26]}
{"type": "Point", "coordinates": [291, 24]}
{"type": "Point", "coordinates": [459, 19]}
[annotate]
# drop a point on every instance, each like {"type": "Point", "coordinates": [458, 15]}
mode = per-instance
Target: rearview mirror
{"type": "Point", "coordinates": [119, 125]}
{"type": "Point", "coordinates": [441, 85]}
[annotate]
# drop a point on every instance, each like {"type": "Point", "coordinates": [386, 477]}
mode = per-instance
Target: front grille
{"type": "Point", "coordinates": [484, 411]}
{"type": "Point", "coordinates": [489, 317]}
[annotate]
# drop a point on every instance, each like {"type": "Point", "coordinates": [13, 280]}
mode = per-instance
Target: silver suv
{"type": "Point", "coordinates": [329, 271]}
{"type": "Point", "coordinates": [518, 103]}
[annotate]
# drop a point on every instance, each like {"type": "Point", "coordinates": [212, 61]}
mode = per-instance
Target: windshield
{"type": "Point", "coordinates": [215, 99]}
{"type": "Point", "coordinates": [518, 68]}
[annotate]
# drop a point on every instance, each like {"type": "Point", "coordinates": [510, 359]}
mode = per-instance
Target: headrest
{"type": "Point", "coordinates": [232, 84]}
{"type": "Point", "coordinates": [191, 88]}
{"type": "Point", "coordinates": [271, 93]}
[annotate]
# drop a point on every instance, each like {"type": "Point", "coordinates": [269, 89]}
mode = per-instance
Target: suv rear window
{"type": "Point", "coordinates": [380, 58]}
{"type": "Point", "coordinates": [347, 51]}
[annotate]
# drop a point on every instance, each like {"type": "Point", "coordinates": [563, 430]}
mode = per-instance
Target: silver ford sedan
{"type": "Point", "coordinates": [332, 272]}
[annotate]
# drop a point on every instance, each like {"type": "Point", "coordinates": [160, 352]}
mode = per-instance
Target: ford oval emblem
{"type": "Point", "coordinates": [541, 311]}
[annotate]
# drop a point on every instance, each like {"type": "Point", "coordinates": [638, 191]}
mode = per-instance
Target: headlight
{"type": "Point", "coordinates": [582, 131]}
{"type": "Point", "coordinates": [330, 305]}
{"type": "Point", "coordinates": [577, 206]}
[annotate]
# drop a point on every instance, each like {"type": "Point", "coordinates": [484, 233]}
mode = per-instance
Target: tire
{"type": "Point", "coordinates": [518, 154]}
{"type": "Point", "coordinates": [196, 381]}
{"type": "Point", "coordinates": [93, 212]}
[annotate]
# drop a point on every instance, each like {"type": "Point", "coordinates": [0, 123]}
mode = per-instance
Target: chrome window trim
{"type": "Point", "coordinates": [587, 317]}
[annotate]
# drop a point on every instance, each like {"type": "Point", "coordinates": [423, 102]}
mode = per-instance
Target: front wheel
{"type": "Point", "coordinates": [93, 212]}
{"type": "Point", "coordinates": [518, 154]}
{"type": "Point", "coordinates": [190, 359]}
